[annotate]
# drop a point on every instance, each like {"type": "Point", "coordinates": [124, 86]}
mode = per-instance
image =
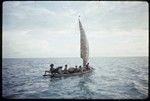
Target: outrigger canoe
{"type": "Point", "coordinates": [70, 74]}
{"type": "Point", "coordinates": [84, 54]}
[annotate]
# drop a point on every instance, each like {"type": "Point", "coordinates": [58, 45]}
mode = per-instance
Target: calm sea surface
{"type": "Point", "coordinates": [113, 78]}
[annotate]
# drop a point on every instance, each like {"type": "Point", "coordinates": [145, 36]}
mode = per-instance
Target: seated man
{"type": "Point", "coordinates": [60, 70]}
{"type": "Point", "coordinates": [80, 69]}
{"type": "Point", "coordinates": [57, 70]}
{"type": "Point", "coordinates": [51, 68]}
{"type": "Point", "coordinates": [87, 66]}
{"type": "Point", "coordinates": [65, 70]}
{"type": "Point", "coordinates": [76, 69]}
{"type": "Point", "coordinates": [84, 69]}
{"type": "Point", "coordinates": [71, 70]}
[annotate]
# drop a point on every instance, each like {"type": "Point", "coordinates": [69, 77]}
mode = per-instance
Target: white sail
{"type": "Point", "coordinates": [84, 46]}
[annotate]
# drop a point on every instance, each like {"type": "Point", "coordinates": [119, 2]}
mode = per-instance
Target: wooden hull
{"type": "Point", "coordinates": [71, 74]}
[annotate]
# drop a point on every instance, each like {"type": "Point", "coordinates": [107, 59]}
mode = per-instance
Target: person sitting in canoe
{"type": "Point", "coordinates": [87, 66]}
{"type": "Point", "coordinates": [65, 70]}
{"type": "Point", "coordinates": [80, 69]}
{"type": "Point", "coordinates": [76, 69]}
{"type": "Point", "coordinates": [84, 68]}
{"type": "Point", "coordinates": [58, 70]}
{"type": "Point", "coordinates": [51, 69]}
{"type": "Point", "coordinates": [71, 70]}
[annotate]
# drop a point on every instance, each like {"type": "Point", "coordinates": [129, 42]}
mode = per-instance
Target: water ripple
{"type": "Point", "coordinates": [113, 78]}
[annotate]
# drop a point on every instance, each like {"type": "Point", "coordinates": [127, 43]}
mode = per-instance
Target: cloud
{"type": "Point", "coordinates": [39, 43]}
{"type": "Point", "coordinates": [49, 29]}
{"type": "Point", "coordinates": [117, 43]}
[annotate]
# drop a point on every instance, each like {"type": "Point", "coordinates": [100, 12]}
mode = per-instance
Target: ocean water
{"type": "Point", "coordinates": [113, 78]}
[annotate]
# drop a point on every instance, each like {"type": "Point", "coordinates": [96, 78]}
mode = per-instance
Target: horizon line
{"type": "Point", "coordinates": [71, 57]}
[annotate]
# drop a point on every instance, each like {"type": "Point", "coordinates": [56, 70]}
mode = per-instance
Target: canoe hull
{"type": "Point", "coordinates": [65, 75]}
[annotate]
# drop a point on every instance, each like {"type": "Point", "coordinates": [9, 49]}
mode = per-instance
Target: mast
{"type": "Point", "coordinates": [84, 46]}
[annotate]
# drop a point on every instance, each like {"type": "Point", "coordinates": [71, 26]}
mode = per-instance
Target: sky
{"type": "Point", "coordinates": [43, 29]}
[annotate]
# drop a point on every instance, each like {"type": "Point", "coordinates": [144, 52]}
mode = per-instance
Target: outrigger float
{"type": "Point", "coordinates": [84, 54]}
